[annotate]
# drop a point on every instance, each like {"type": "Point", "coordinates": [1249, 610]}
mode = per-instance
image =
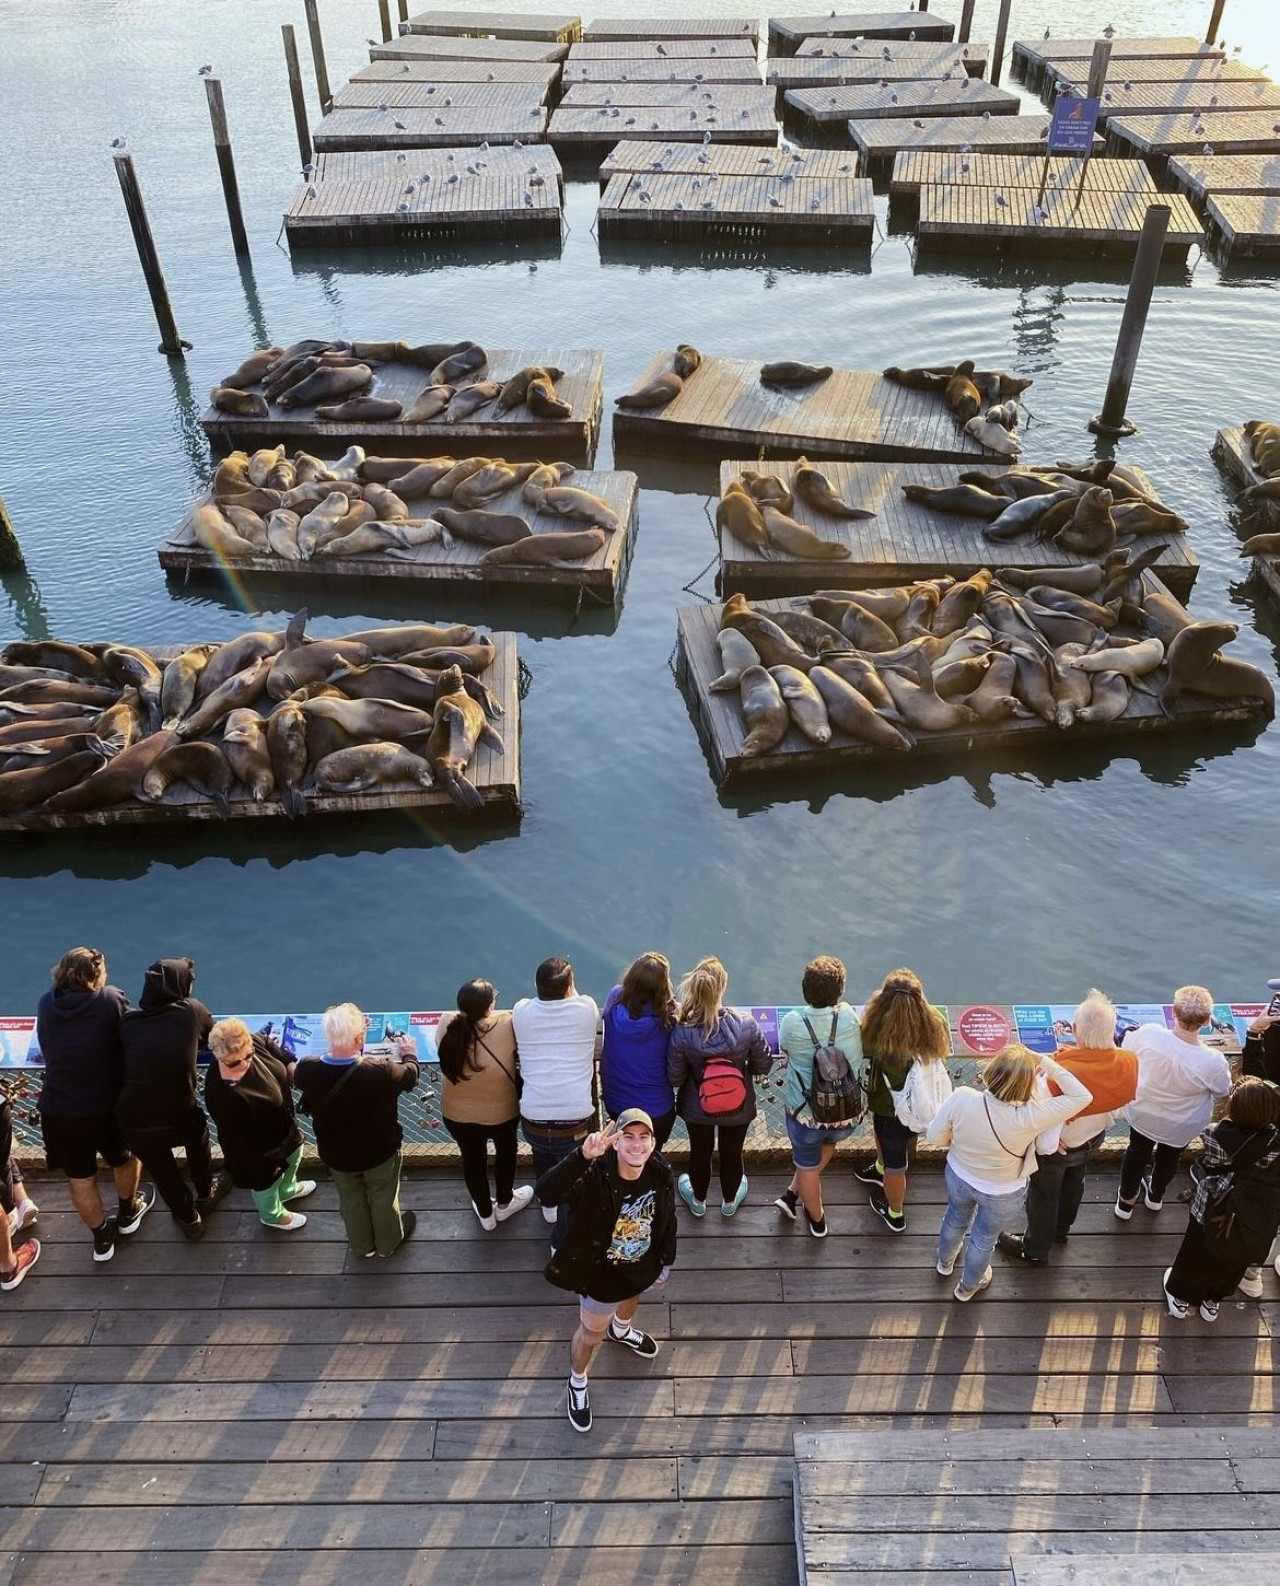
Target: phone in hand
{"type": "Point", "coordinates": [1273, 1007]}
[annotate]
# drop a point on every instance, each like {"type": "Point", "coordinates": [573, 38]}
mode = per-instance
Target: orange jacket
{"type": "Point", "coordinates": [1110, 1072]}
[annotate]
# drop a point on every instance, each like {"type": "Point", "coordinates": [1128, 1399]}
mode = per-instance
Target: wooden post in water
{"type": "Point", "coordinates": [226, 164]}
{"type": "Point", "coordinates": [966, 22]}
{"type": "Point", "coordinates": [1098, 69]}
{"type": "Point", "coordinates": [923, 6]}
{"type": "Point", "coordinates": [297, 96]}
{"type": "Point", "coordinates": [11, 560]}
{"type": "Point", "coordinates": [997, 49]}
{"type": "Point", "coordinates": [384, 17]}
{"type": "Point", "coordinates": [403, 7]}
{"type": "Point", "coordinates": [1215, 21]}
{"type": "Point", "coordinates": [170, 342]}
{"type": "Point", "coordinates": [1146, 265]}
{"type": "Point", "coordinates": [317, 57]}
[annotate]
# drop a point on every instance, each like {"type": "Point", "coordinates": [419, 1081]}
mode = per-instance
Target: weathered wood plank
{"type": "Point", "coordinates": [1072, 76]}
{"type": "Point", "coordinates": [1223, 131]}
{"type": "Point", "coordinates": [965, 96]}
{"type": "Point", "coordinates": [436, 70]}
{"type": "Point", "coordinates": [1098, 1394]}
{"type": "Point", "coordinates": [1087, 1445]}
{"type": "Point", "coordinates": [589, 129]}
{"type": "Point", "coordinates": [563, 29]}
{"type": "Point", "coordinates": [1198, 175]}
{"type": "Point", "coordinates": [383, 96]}
{"type": "Point", "coordinates": [676, 205]}
{"type": "Point", "coordinates": [727, 100]}
{"type": "Point", "coordinates": [425, 129]}
{"type": "Point", "coordinates": [1249, 222]}
{"type": "Point", "coordinates": [727, 160]}
{"type": "Point", "coordinates": [418, 47]}
{"type": "Point", "coordinates": [880, 141]}
{"type": "Point", "coordinates": [1187, 99]}
{"type": "Point", "coordinates": [789, 34]}
{"type": "Point", "coordinates": [628, 29]}
{"type": "Point", "coordinates": [1097, 221]}
{"type": "Point", "coordinates": [663, 49]}
{"type": "Point", "coordinates": [1231, 449]}
{"type": "Point", "coordinates": [840, 65]}
{"type": "Point", "coordinates": [917, 168]}
{"type": "Point", "coordinates": [693, 69]}
{"type": "Point", "coordinates": [1244, 1569]}
{"type": "Point", "coordinates": [702, 1523]}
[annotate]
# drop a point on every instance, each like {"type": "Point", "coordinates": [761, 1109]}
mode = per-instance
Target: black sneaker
{"type": "Point", "coordinates": [895, 1222]}
{"type": "Point", "coordinates": [869, 1173]}
{"type": "Point", "coordinates": [787, 1203]}
{"type": "Point", "coordinates": [1014, 1245]}
{"type": "Point", "coordinates": [408, 1222]}
{"type": "Point", "coordinates": [219, 1192]}
{"type": "Point", "coordinates": [129, 1218]}
{"type": "Point", "coordinates": [579, 1406]}
{"type": "Point", "coordinates": [104, 1240]}
{"type": "Point", "coordinates": [633, 1339]}
{"type": "Point", "coordinates": [194, 1229]}
{"type": "Point", "coordinates": [817, 1225]}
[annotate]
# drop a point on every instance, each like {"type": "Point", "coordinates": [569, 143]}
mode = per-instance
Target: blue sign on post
{"type": "Point", "coordinates": [1073, 125]}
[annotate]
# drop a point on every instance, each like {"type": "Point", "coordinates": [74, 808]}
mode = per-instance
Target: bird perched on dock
{"type": "Point", "coordinates": [1001, 201]}
{"type": "Point", "coordinates": [1108, 32]}
{"type": "Point", "coordinates": [709, 203]}
{"type": "Point", "coordinates": [373, 43]}
{"type": "Point", "coordinates": [1208, 149]}
{"type": "Point", "coordinates": [528, 199]}
{"type": "Point", "coordinates": [774, 203]}
{"type": "Point", "coordinates": [398, 125]}
{"type": "Point", "coordinates": [308, 170]}
{"type": "Point", "coordinates": [887, 53]}
{"type": "Point", "coordinates": [917, 123]}
{"type": "Point", "coordinates": [117, 143]}
{"type": "Point", "coordinates": [402, 159]}
{"type": "Point", "coordinates": [706, 137]}
{"type": "Point", "coordinates": [815, 203]}
{"type": "Point", "coordinates": [402, 209]}
{"type": "Point", "coordinates": [1127, 86]}
{"type": "Point", "coordinates": [1046, 33]}
{"type": "Point", "coordinates": [312, 190]}
{"type": "Point", "coordinates": [661, 51]}
{"type": "Point", "coordinates": [1040, 212]}
{"type": "Point", "coordinates": [893, 99]}
{"type": "Point", "coordinates": [986, 115]}
{"type": "Point", "coordinates": [204, 71]}
{"type": "Point", "coordinates": [383, 109]}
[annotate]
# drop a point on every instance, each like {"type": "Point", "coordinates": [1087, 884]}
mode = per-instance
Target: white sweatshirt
{"type": "Point", "coordinates": [994, 1165]}
{"type": "Point", "coordinates": [557, 1045]}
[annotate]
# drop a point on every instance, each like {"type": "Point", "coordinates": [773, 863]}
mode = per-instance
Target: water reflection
{"type": "Point", "coordinates": [772, 260]}
{"type": "Point", "coordinates": [332, 266]}
{"type": "Point", "coordinates": [26, 605]}
{"type": "Point", "coordinates": [1021, 273]}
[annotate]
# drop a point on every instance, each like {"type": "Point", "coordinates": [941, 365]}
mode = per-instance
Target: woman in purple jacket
{"type": "Point", "coordinates": [638, 1018]}
{"type": "Point", "coordinates": [713, 1057]}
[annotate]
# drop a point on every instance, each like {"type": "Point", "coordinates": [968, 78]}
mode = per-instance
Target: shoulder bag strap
{"type": "Point", "coordinates": [328, 1097]}
{"type": "Point", "coordinates": [480, 1038]}
{"type": "Point", "coordinates": [986, 1107]}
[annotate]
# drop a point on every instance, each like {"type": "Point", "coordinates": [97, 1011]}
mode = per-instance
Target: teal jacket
{"type": "Point", "coordinates": [796, 1046]}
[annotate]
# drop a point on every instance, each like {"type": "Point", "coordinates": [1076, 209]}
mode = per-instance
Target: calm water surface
{"type": "Point", "coordinates": [1018, 876]}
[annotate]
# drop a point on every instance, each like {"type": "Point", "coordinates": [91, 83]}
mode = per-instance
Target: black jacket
{"type": "Point", "coordinates": [361, 1128]}
{"type": "Point", "coordinates": [1260, 1055]}
{"type": "Point", "coordinates": [160, 1039]}
{"type": "Point", "coordinates": [78, 1033]}
{"type": "Point", "coordinates": [255, 1118]}
{"type": "Point", "coordinates": [590, 1260]}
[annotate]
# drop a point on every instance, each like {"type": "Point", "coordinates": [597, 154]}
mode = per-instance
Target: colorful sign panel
{"type": "Point", "coordinates": [1073, 125]}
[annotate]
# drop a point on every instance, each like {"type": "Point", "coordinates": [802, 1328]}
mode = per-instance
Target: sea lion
{"type": "Point", "coordinates": [215, 533]}
{"type": "Point", "coordinates": [862, 628]}
{"type": "Point", "coordinates": [763, 710]}
{"type": "Point", "coordinates": [1086, 580]}
{"type": "Point", "coordinates": [326, 384]}
{"type": "Point", "coordinates": [482, 528]}
{"type": "Point", "coordinates": [261, 464]}
{"type": "Point", "coordinates": [283, 529]}
{"type": "Point", "coordinates": [396, 540]}
{"type": "Point", "coordinates": [368, 766]}
{"type": "Point", "coordinates": [469, 399]}
{"type": "Point", "coordinates": [963, 500]}
{"type": "Point", "coordinates": [919, 379]}
{"type": "Point", "coordinates": [1131, 660]}
{"type": "Point", "coordinates": [796, 539]}
{"type": "Point", "coordinates": [430, 353]}
{"type": "Point", "coordinates": [975, 638]}
{"type": "Point", "coordinates": [919, 703]}
{"type": "Point", "coordinates": [458, 729]}
{"type": "Point", "coordinates": [429, 404]}
{"type": "Point", "coordinates": [1266, 490]}
{"type": "Point", "coordinates": [737, 653]}
{"type": "Point", "coordinates": [303, 498]}
{"type": "Point", "coordinates": [1100, 615]}
{"type": "Point", "coordinates": [119, 779]}
{"type": "Point", "coordinates": [768, 488]}
{"type": "Point", "coordinates": [359, 513]}
{"type": "Point", "coordinates": [804, 703]}
{"type": "Point", "coordinates": [408, 685]}
{"type": "Point", "coordinates": [468, 358]}
{"type": "Point", "coordinates": [486, 484]}
{"type": "Point", "coordinates": [1140, 517]}
{"type": "Point", "coordinates": [887, 604]}
{"type": "Point", "coordinates": [960, 394]}
{"type": "Point", "coordinates": [375, 410]}
{"type": "Point", "coordinates": [512, 393]}
{"type": "Point", "coordinates": [543, 478]}
{"type": "Point", "coordinates": [54, 654]}
{"type": "Point", "coordinates": [178, 685]}
{"type": "Point", "coordinates": [365, 720]}
{"type": "Point", "coordinates": [244, 404]}
{"type": "Point", "coordinates": [788, 373]}
{"type": "Point", "coordinates": [202, 766]}
{"type": "Point", "coordinates": [58, 691]}
{"type": "Point", "coordinates": [287, 750]}
{"type": "Point", "coordinates": [125, 721]}
{"type": "Point", "coordinates": [28, 730]}
{"type": "Point", "coordinates": [739, 513]}
{"type": "Point", "coordinates": [816, 491]}
{"type": "Point", "coordinates": [861, 675]}
{"type": "Point", "coordinates": [687, 361]}
{"type": "Point", "coordinates": [248, 525]}
{"type": "Point", "coordinates": [956, 679]}
{"type": "Point", "coordinates": [469, 658]}
{"type": "Point", "coordinates": [1031, 682]}
{"type": "Point", "coordinates": [244, 743]}
{"type": "Point", "coordinates": [10, 676]}
{"type": "Point", "coordinates": [242, 689]}
{"type": "Point", "coordinates": [993, 436]}
{"type": "Point", "coordinates": [917, 620]}
{"type": "Point", "coordinates": [254, 368]}
{"type": "Point", "coordinates": [568, 501]}
{"type": "Point", "coordinates": [1264, 445]}
{"type": "Point", "coordinates": [546, 550]}
{"type": "Point", "coordinates": [851, 712]}
{"type": "Point", "coordinates": [382, 470]}
{"type": "Point", "coordinates": [309, 663]}
{"type": "Point", "coordinates": [1229, 679]}
{"type": "Point", "coordinates": [1195, 666]}
{"type": "Point", "coordinates": [1092, 529]}
{"type": "Point", "coordinates": [403, 639]}
{"type": "Point", "coordinates": [772, 645]}
{"type": "Point", "coordinates": [1164, 616]}
{"type": "Point", "coordinates": [389, 504]}
{"type": "Point", "coordinates": [379, 351]}
{"type": "Point", "coordinates": [1261, 545]}
{"type": "Point", "coordinates": [288, 375]}
{"type": "Point", "coordinates": [251, 500]}
{"type": "Point", "coordinates": [811, 632]}
{"type": "Point", "coordinates": [44, 751]}
{"type": "Point", "coordinates": [235, 654]}
{"type": "Point", "coordinates": [448, 481]}
{"type": "Point", "coordinates": [418, 480]}
{"type": "Point", "coordinates": [1072, 689]}
{"type": "Point", "coordinates": [655, 393]}
{"type": "Point", "coordinates": [28, 787]}
{"type": "Point", "coordinates": [1016, 482]}
{"type": "Point", "coordinates": [543, 401]}
{"type": "Point", "coordinates": [1109, 699]}
{"type": "Point", "coordinates": [231, 474]}
{"type": "Point", "coordinates": [299, 349]}
{"type": "Point", "coordinates": [993, 699]}
{"type": "Point", "coordinates": [961, 602]}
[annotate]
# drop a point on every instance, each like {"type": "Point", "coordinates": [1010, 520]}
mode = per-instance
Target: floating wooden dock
{"type": "Point", "coordinates": [1232, 450]}
{"type": "Point", "coordinates": [588, 130]}
{"type": "Point", "coordinates": [544, 74]}
{"type": "Point", "coordinates": [1073, 76]}
{"type": "Point", "coordinates": [942, 62]}
{"type": "Point", "coordinates": [696, 69]}
{"type": "Point", "coordinates": [728, 160]}
{"type": "Point", "coordinates": [618, 51]}
{"type": "Point", "coordinates": [965, 96]}
{"type": "Point", "coordinates": [1032, 62]}
{"type": "Point", "coordinates": [852, 414]}
{"type": "Point", "coordinates": [516, 121]}
{"type": "Point", "coordinates": [514, 434]}
{"type": "Point", "coordinates": [1224, 132]}
{"type": "Point", "coordinates": [787, 34]}
{"type": "Point", "coordinates": [984, 218]}
{"type": "Point", "coordinates": [495, 772]}
{"type": "Point", "coordinates": [905, 541]}
{"type": "Point", "coordinates": [506, 97]}
{"type": "Point", "coordinates": [631, 30]}
{"type": "Point", "coordinates": [517, 25]}
{"type": "Point", "coordinates": [1185, 99]}
{"type": "Point", "coordinates": [718, 717]}
{"type": "Point", "coordinates": [416, 47]}
{"type": "Point", "coordinates": [915, 169]}
{"type": "Point", "coordinates": [1199, 175]}
{"type": "Point", "coordinates": [880, 142]}
{"type": "Point", "coordinates": [652, 205]}
{"type": "Point", "coordinates": [455, 193]}
{"type": "Point", "coordinates": [730, 101]}
{"type": "Point", "coordinates": [1249, 223]}
{"type": "Point", "coordinates": [603, 574]}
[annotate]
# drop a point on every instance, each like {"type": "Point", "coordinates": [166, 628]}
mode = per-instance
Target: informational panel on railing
{"type": "Point", "coordinates": [977, 1029]}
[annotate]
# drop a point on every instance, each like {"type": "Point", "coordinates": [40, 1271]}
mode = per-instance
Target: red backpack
{"type": "Point", "coordinates": [722, 1087]}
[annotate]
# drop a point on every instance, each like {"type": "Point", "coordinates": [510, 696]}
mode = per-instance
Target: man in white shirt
{"type": "Point", "coordinates": [556, 1039]}
{"type": "Point", "coordinates": [1178, 1080]}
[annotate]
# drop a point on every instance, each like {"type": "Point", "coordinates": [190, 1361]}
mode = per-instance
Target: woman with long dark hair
{"type": "Point", "coordinates": [639, 1014]}
{"type": "Point", "coordinates": [480, 1101]}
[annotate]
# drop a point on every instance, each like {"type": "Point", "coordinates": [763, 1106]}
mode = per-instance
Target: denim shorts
{"type": "Point", "coordinates": [807, 1142]}
{"type": "Point", "coordinates": [892, 1139]}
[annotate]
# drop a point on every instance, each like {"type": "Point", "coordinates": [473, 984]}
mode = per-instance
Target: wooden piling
{"type": "Point", "coordinates": [317, 56]}
{"type": "Point", "coordinates": [1146, 265]}
{"type": "Point", "coordinates": [966, 22]}
{"type": "Point", "coordinates": [296, 94]}
{"type": "Point", "coordinates": [997, 49]}
{"type": "Point", "coordinates": [384, 18]}
{"type": "Point", "coordinates": [1098, 69]}
{"type": "Point", "coordinates": [226, 163]}
{"type": "Point", "coordinates": [170, 342]}
{"type": "Point", "coordinates": [1215, 20]}
{"type": "Point", "coordinates": [11, 559]}
{"type": "Point", "coordinates": [403, 7]}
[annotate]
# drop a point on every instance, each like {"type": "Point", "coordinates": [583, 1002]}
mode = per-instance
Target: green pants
{"type": "Point", "coordinates": [272, 1203]}
{"type": "Point", "coordinates": [370, 1207]}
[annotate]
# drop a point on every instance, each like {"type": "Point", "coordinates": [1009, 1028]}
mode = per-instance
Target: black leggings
{"type": "Point", "coordinates": [473, 1142]}
{"type": "Point", "coordinates": [702, 1140]}
{"type": "Point", "coordinates": [1137, 1157]}
{"type": "Point", "coordinates": [159, 1161]}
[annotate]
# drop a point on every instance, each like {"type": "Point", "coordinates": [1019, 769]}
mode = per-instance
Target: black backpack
{"type": "Point", "coordinates": [837, 1096]}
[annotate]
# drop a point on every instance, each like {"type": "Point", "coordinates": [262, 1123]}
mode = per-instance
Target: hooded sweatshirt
{"type": "Point", "coordinates": [160, 1039]}
{"type": "Point", "coordinates": [633, 1060]}
{"type": "Point", "coordinates": [79, 1037]}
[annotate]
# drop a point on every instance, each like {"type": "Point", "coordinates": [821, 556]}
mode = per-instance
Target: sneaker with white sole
{"type": "Point", "coordinates": [129, 1218]}
{"type": "Point", "coordinates": [729, 1208]}
{"type": "Point", "coordinates": [895, 1222]}
{"type": "Point", "coordinates": [1123, 1209]}
{"type": "Point", "coordinates": [519, 1200]}
{"type": "Point", "coordinates": [869, 1173]}
{"type": "Point", "coordinates": [23, 1215]}
{"type": "Point", "coordinates": [291, 1224]}
{"type": "Point", "coordinates": [24, 1258]}
{"type": "Point", "coordinates": [684, 1184]}
{"type": "Point", "coordinates": [1178, 1309]}
{"type": "Point", "coordinates": [1209, 1310]}
{"type": "Point", "coordinates": [632, 1338]}
{"type": "Point", "coordinates": [944, 1269]}
{"type": "Point", "coordinates": [817, 1225]}
{"type": "Point", "coordinates": [306, 1186]}
{"type": "Point", "coordinates": [104, 1240]}
{"type": "Point", "coordinates": [787, 1203]}
{"type": "Point", "coordinates": [488, 1223]}
{"type": "Point", "coordinates": [1251, 1283]}
{"type": "Point", "coordinates": [579, 1407]}
{"type": "Point", "coordinates": [549, 1214]}
{"type": "Point", "coordinates": [965, 1295]}
{"type": "Point", "coordinates": [1148, 1200]}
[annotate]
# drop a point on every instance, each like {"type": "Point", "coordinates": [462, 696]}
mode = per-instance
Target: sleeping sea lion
{"type": "Point", "coordinates": [44, 751]}
{"type": "Point", "coordinates": [543, 401]}
{"type": "Point", "coordinates": [1267, 490]}
{"type": "Point", "coordinates": [861, 675]}
{"type": "Point", "coordinates": [796, 539]}
{"type": "Point", "coordinates": [396, 540]}
{"type": "Point", "coordinates": [178, 685]}
{"type": "Point", "coordinates": [1264, 445]}
{"type": "Point", "coordinates": [402, 639]}
{"type": "Point", "coordinates": [244, 743]}
{"type": "Point", "coordinates": [512, 393]}
{"type": "Point", "coordinates": [737, 653]}
{"type": "Point", "coordinates": [242, 689]}
{"type": "Point", "coordinates": [961, 602]}
{"type": "Point", "coordinates": [816, 491]}
{"type": "Point", "coordinates": [468, 358]}
{"type": "Point", "coordinates": [887, 604]}
{"type": "Point", "coordinates": [253, 369]}
{"type": "Point", "coordinates": [1261, 545]}
{"type": "Point", "coordinates": [418, 480]}
{"type": "Point", "coordinates": [811, 632]}
{"type": "Point", "coordinates": [459, 728]}
{"type": "Point", "coordinates": [1031, 682]}
{"type": "Point", "coordinates": [964, 500]}
{"type": "Point", "coordinates": [326, 384]}
{"type": "Point", "coordinates": [368, 766]}
{"type": "Point", "coordinates": [389, 504]}
{"type": "Point", "coordinates": [56, 691]}
{"type": "Point", "coordinates": [1130, 660]}
{"type": "Point", "coordinates": [408, 685]}
{"type": "Point", "coordinates": [429, 404]}
{"type": "Point", "coordinates": [30, 786]}
{"type": "Point", "coordinates": [567, 501]}
{"type": "Point", "coordinates": [738, 512]}
{"type": "Point", "coordinates": [213, 531]}
{"type": "Point", "coordinates": [379, 351]}
{"type": "Point", "coordinates": [119, 779]}
{"type": "Point", "coordinates": [261, 464]}
{"type": "Point", "coordinates": [1072, 689]}
{"type": "Point", "coordinates": [656, 393]}
{"type": "Point", "coordinates": [919, 379]}
{"type": "Point", "coordinates": [56, 655]}
{"type": "Point", "coordinates": [201, 766]}
{"type": "Point", "coordinates": [687, 361]}
{"type": "Point", "coordinates": [994, 699]}
{"type": "Point", "coordinates": [365, 720]}
{"type": "Point", "coordinates": [487, 483]}
{"type": "Point", "coordinates": [993, 436]}
{"type": "Point", "coordinates": [804, 703]}
{"type": "Point", "coordinates": [1085, 580]}
{"type": "Point", "coordinates": [469, 399]}
{"type": "Point", "coordinates": [960, 394]}
{"type": "Point", "coordinates": [308, 663]}
{"type": "Point", "coordinates": [772, 645]}
{"type": "Point", "coordinates": [851, 712]}
{"type": "Point", "coordinates": [763, 710]}
{"type": "Point", "coordinates": [787, 373]}
{"type": "Point", "coordinates": [768, 488]}
{"type": "Point", "coordinates": [287, 749]}
{"type": "Point", "coordinates": [1071, 605]}
{"type": "Point", "coordinates": [448, 481]}
{"type": "Point", "coordinates": [543, 478]}
{"type": "Point", "coordinates": [244, 404]}
{"type": "Point", "coordinates": [863, 629]}
{"type": "Point", "coordinates": [236, 654]}
{"type": "Point", "coordinates": [919, 703]}
{"type": "Point", "coordinates": [1141, 517]}
{"type": "Point", "coordinates": [377, 410]}
{"type": "Point", "coordinates": [1109, 699]}
{"type": "Point", "coordinates": [546, 550]}
{"type": "Point", "coordinates": [231, 474]}
{"type": "Point", "coordinates": [482, 528]}
{"type": "Point", "coordinates": [282, 532]}
{"type": "Point", "coordinates": [430, 353]}
{"type": "Point", "coordinates": [957, 679]}
{"type": "Point", "coordinates": [917, 620]}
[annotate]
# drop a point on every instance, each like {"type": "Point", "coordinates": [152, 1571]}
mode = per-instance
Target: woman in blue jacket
{"type": "Point", "coordinates": [638, 1018]}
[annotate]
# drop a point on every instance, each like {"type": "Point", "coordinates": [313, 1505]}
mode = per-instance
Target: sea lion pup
{"type": "Point", "coordinates": [804, 703]}
{"type": "Point", "coordinates": [968, 501]}
{"type": "Point", "coordinates": [253, 369]}
{"type": "Point", "coordinates": [772, 645]}
{"type": "Point", "coordinates": [448, 481]}
{"type": "Point", "coordinates": [56, 655]}
{"type": "Point", "coordinates": [763, 710]}
{"type": "Point", "coordinates": [567, 501]}
{"type": "Point", "coordinates": [119, 779]}
{"type": "Point", "coordinates": [178, 684]}
{"type": "Point", "coordinates": [737, 653]}
{"type": "Point", "coordinates": [488, 483]}
{"type": "Point", "coordinates": [852, 713]}
{"type": "Point", "coordinates": [1092, 529]}
{"type": "Point", "coordinates": [1196, 667]}
{"type": "Point", "coordinates": [811, 632]}
{"type": "Point", "coordinates": [655, 393]}
{"type": "Point", "coordinates": [960, 603]}
{"type": "Point", "coordinates": [739, 512]}
{"type": "Point", "coordinates": [368, 766]}
{"type": "Point", "coordinates": [468, 358]}
{"type": "Point", "coordinates": [29, 787]}
{"type": "Point", "coordinates": [403, 639]}
{"type": "Point", "coordinates": [994, 698]}
{"type": "Point", "coordinates": [377, 410]}
{"type": "Point", "coordinates": [1130, 660]}
{"type": "Point", "coordinates": [1002, 383]}
{"type": "Point", "coordinates": [993, 436]}
{"type": "Point", "coordinates": [326, 384]}
{"type": "Point", "coordinates": [543, 478]}
{"type": "Point", "coordinates": [1109, 699]}
{"type": "Point", "coordinates": [458, 728]}
{"type": "Point", "coordinates": [482, 528]}
{"type": "Point", "coordinates": [469, 399]}
{"type": "Point", "coordinates": [768, 489]}
{"type": "Point", "coordinates": [309, 663]}
{"type": "Point", "coordinates": [687, 361]}
{"type": "Point", "coordinates": [513, 390]}
{"type": "Point", "coordinates": [429, 404]}
{"type": "Point", "coordinates": [788, 373]}
{"type": "Point", "coordinates": [796, 539]}
{"type": "Point", "coordinates": [201, 766]}
{"type": "Point", "coordinates": [215, 533]}
{"type": "Point", "coordinates": [546, 550]}
{"type": "Point", "coordinates": [919, 703]}
{"type": "Point", "coordinates": [543, 401]}
{"type": "Point", "coordinates": [960, 394]}
{"type": "Point", "coordinates": [244, 404]}
{"type": "Point", "coordinates": [261, 464]}
{"type": "Point", "coordinates": [287, 749]}
{"type": "Point", "coordinates": [862, 628]}
{"type": "Point", "coordinates": [816, 491]}
{"type": "Point", "coordinates": [1261, 545]}
{"type": "Point", "coordinates": [244, 743]}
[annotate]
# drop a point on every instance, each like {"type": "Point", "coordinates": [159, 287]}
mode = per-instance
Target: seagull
{"type": "Point", "coordinates": [405, 67]}
{"type": "Point", "coordinates": [452, 179]}
{"type": "Point", "coordinates": [117, 143]}
{"type": "Point", "coordinates": [644, 198]}
{"type": "Point", "coordinates": [912, 35]}
{"type": "Point", "coordinates": [516, 144]}
{"type": "Point", "coordinates": [204, 71]}
{"type": "Point", "coordinates": [308, 170]}
{"type": "Point", "coordinates": [1208, 149]}
{"type": "Point", "coordinates": [966, 148]}
{"type": "Point", "coordinates": [774, 203]}
{"type": "Point", "coordinates": [893, 99]}
{"type": "Point", "coordinates": [489, 78]}
{"type": "Point", "coordinates": [703, 158]}
{"type": "Point", "coordinates": [402, 209]}
{"type": "Point", "coordinates": [629, 122]}
{"type": "Point", "coordinates": [846, 168]}
{"type": "Point", "coordinates": [986, 115]}
{"type": "Point", "coordinates": [312, 191]}
{"type": "Point", "coordinates": [917, 123]}
{"type": "Point", "coordinates": [431, 88]}
{"type": "Point", "coordinates": [677, 205]}
{"type": "Point", "coordinates": [412, 188]}
{"type": "Point", "coordinates": [964, 167]}
{"type": "Point", "coordinates": [401, 159]}
{"type": "Point", "coordinates": [706, 137]}
{"type": "Point", "coordinates": [661, 50]}
{"type": "Point", "coordinates": [887, 53]}
{"type": "Point", "coordinates": [400, 126]}
{"type": "Point", "coordinates": [1127, 85]}
{"type": "Point", "coordinates": [1041, 213]}
{"type": "Point", "coordinates": [1107, 98]}
{"type": "Point", "coordinates": [439, 121]}
{"type": "Point", "coordinates": [373, 43]}
{"type": "Point", "coordinates": [709, 203]}
{"type": "Point", "coordinates": [528, 199]}
{"type": "Point", "coordinates": [815, 203]}
{"type": "Point", "coordinates": [1108, 32]}
{"type": "Point", "coordinates": [1213, 99]}
{"type": "Point", "coordinates": [1046, 33]}
{"type": "Point", "coordinates": [383, 109]}
{"type": "Point", "coordinates": [1001, 201]}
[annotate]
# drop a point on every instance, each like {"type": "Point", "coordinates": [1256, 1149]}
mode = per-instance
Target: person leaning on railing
{"type": "Point", "coordinates": [639, 1015]}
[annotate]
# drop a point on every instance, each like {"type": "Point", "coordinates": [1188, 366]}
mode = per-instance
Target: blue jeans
{"type": "Point", "coordinates": [548, 1149]}
{"type": "Point", "coordinates": [979, 1216]}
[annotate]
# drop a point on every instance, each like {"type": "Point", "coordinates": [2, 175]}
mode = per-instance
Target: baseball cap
{"type": "Point", "coordinates": [634, 1115]}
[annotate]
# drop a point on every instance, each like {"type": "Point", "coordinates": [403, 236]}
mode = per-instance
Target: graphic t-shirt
{"type": "Point", "coordinates": [633, 1231]}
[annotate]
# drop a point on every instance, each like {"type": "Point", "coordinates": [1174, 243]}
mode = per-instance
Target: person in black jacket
{"type": "Point", "coordinates": [1260, 1054]}
{"type": "Point", "coordinates": [157, 1107]}
{"type": "Point", "coordinates": [620, 1242]}
{"type": "Point", "coordinates": [247, 1093]}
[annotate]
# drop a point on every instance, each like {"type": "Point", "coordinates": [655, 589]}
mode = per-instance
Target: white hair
{"type": "Point", "coordinates": [1192, 1006]}
{"type": "Point", "coordinates": [344, 1025]}
{"type": "Point", "coordinates": [1096, 1022]}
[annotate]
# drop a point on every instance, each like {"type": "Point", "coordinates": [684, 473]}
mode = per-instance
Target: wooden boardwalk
{"type": "Point", "coordinates": [604, 574]}
{"type": "Point", "coordinates": [442, 96]}
{"type": "Point", "coordinates": [936, 62]}
{"type": "Point", "coordinates": [965, 96]}
{"type": "Point", "coordinates": [1249, 223]}
{"type": "Point", "coordinates": [634, 30]}
{"type": "Point", "coordinates": [905, 541]}
{"type": "Point", "coordinates": [728, 160]}
{"type": "Point", "coordinates": [984, 218]}
{"type": "Point", "coordinates": [1232, 452]}
{"type": "Point", "coordinates": [438, 164]}
{"type": "Point", "coordinates": [1199, 175]}
{"type": "Point", "coordinates": [497, 24]}
{"type": "Point", "coordinates": [543, 73]}
{"type": "Point", "coordinates": [1073, 76]}
{"type": "Point", "coordinates": [787, 34]}
{"type": "Point", "coordinates": [417, 47]}
{"type": "Point", "coordinates": [440, 127]}
{"type": "Point", "coordinates": [720, 726]}
{"type": "Point", "coordinates": [1184, 99]}
{"type": "Point", "coordinates": [589, 130]}
{"type": "Point", "coordinates": [913, 170]}
{"type": "Point", "coordinates": [266, 1410]}
{"type": "Point", "coordinates": [618, 51]}
{"type": "Point", "coordinates": [655, 205]}
{"type": "Point", "coordinates": [495, 772]}
{"type": "Point", "coordinates": [517, 433]}
{"type": "Point", "coordinates": [853, 414]}
{"type": "Point", "coordinates": [1221, 131]}
{"type": "Point", "coordinates": [880, 142]}
{"type": "Point", "coordinates": [732, 102]}
{"type": "Point", "coordinates": [487, 205]}
{"type": "Point", "coordinates": [1034, 61]}
{"type": "Point", "coordinates": [695, 69]}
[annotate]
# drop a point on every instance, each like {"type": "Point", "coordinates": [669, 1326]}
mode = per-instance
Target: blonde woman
{"type": "Point", "coordinates": [990, 1134]}
{"type": "Point", "coordinates": [713, 1056]}
{"type": "Point", "coordinates": [899, 1028]}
